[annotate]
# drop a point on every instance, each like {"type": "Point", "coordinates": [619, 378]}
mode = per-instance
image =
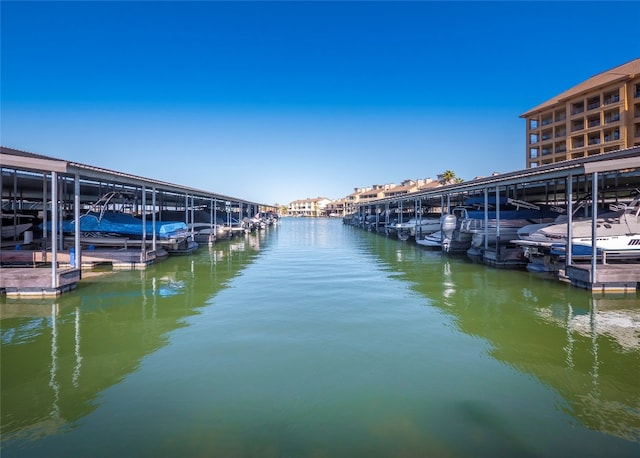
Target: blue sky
{"type": "Point", "coordinates": [278, 101]}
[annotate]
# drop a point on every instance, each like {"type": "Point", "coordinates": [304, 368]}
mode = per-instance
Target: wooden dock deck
{"type": "Point", "coordinates": [36, 282]}
{"type": "Point", "coordinates": [27, 273]}
{"type": "Point", "coordinates": [609, 278]}
{"type": "Point", "coordinates": [119, 258]}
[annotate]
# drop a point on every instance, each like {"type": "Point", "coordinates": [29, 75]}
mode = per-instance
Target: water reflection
{"type": "Point", "coordinates": [586, 347]}
{"type": "Point", "coordinates": [59, 355]}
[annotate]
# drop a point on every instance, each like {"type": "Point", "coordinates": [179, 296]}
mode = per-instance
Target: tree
{"type": "Point", "coordinates": [448, 177]}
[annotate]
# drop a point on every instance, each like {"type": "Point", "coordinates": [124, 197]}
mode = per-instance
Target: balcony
{"type": "Point", "coordinates": [611, 135]}
{"type": "Point", "coordinates": [608, 119]}
{"type": "Point", "coordinates": [608, 100]}
{"type": "Point", "coordinates": [593, 103]}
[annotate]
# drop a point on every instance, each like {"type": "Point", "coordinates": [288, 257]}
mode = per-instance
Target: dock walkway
{"type": "Point", "coordinates": [36, 282]}
{"type": "Point", "coordinates": [623, 277]}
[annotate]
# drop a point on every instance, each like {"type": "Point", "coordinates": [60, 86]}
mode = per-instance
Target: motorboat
{"type": "Point", "coordinates": [617, 236]}
{"type": "Point", "coordinates": [15, 225]}
{"type": "Point", "coordinates": [502, 223]}
{"type": "Point", "coordinates": [417, 227]}
{"type": "Point", "coordinates": [104, 222]}
{"type": "Point", "coordinates": [433, 240]}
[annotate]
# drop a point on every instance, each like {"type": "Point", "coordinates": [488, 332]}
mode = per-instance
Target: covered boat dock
{"type": "Point", "coordinates": [604, 179]}
{"type": "Point", "coordinates": [44, 261]}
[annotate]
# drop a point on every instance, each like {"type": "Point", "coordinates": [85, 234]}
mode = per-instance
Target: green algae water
{"type": "Point", "coordinates": [315, 339]}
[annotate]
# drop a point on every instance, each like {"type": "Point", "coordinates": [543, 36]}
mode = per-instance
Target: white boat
{"type": "Point", "coordinates": [417, 227]}
{"type": "Point", "coordinates": [618, 230]}
{"type": "Point", "coordinates": [503, 226]}
{"type": "Point", "coordinates": [617, 235]}
{"type": "Point", "coordinates": [15, 227]}
{"type": "Point", "coordinates": [433, 240]}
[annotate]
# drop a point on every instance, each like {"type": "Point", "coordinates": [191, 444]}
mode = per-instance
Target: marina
{"type": "Point", "coordinates": [131, 222]}
{"type": "Point", "coordinates": [123, 221]}
{"type": "Point", "coordinates": [485, 219]}
{"type": "Point", "coordinates": [371, 347]}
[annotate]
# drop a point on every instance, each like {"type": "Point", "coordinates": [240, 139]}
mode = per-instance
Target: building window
{"type": "Point", "coordinates": [577, 142]}
{"type": "Point", "coordinates": [560, 115]}
{"type": "Point", "coordinates": [611, 116]}
{"type": "Point", "coordinates": [593, 121]}
{"type": "Point", "coordinates": [577, 124]}
{"type": "Point", "coordinates": [594, 139]}
{"type": "Point", "coordinates": [561, 131]}
{"type": "Point", "coordinates": [577, 107]}
{"type": "Point", "coordinates": [611, 135]}
{"type": "Point", "coordinates": [533, 138]}
{"type": "Point", "coordinates": [593, 102]}
{"type": "Point", "coordinates": [611, 97]}
{"type": "Point", "coordinates": [637, 91]}
{"type": "Point", "coordinates": [533, 153]}
{"type": "Point", "coordinates": [547, 120]}
{"type": "Point", "coordinates": [533, 123]}
{"type": "Point", "coordinates": [546, 135]}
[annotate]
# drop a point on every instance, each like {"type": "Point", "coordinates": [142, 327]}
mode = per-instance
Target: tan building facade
{"type": "Point", "coordinates": [309, 207]}
{"type": "Point", "coordinates": [600, 115]}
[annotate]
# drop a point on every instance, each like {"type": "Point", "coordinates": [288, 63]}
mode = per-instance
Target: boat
{"type": "Point", "coordinates": [491, 239]}
{"type": "Point", "coordinates": [14, 226]}
{"type": "Point", "coordinates": [433, 240]}
{"type": "Point", "coordinates": [504, 222]}
{"type": "Point", "coordinates": [201, 227]}
{"type": "Point", "coordinates": [417, 227]}
{"type": "Point", "coordinates": [617, 236]}
{"type": "Point", "coordinates": [464, 229]}
{"type": "Point", "coordinates": [105, 220]}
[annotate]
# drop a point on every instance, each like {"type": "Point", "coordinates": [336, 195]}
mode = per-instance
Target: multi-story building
{"type": "Point", "coordinates": [599, 115]}
{"type": "Point", "coordinates": [309, 207]}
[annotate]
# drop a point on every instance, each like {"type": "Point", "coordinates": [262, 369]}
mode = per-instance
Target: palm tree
{"type": "Point", "coordinates": [448, 177]}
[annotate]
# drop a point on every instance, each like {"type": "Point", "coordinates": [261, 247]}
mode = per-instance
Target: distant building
{"type": "Point", "coordinates": [599, 115]}
{"type": "Point", "coordinates": [309, 207]}
{"type": "Point", "coordinates": [321, 206]}
{"type": "Point", "coordinates": [336, 208]}
{"type": "Point", "coordinates": [406, 187]}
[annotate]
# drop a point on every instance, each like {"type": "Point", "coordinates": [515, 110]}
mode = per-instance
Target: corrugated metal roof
{"type": "Point", "coordinates": [24, 160]}
{"type": "Point", "coordinates": [623, 72]}
{"type": "Point", "coordinates": [611, 161]}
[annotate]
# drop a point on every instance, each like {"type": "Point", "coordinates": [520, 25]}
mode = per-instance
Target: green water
{"type": "Point", "coordinates": [315, 339]}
